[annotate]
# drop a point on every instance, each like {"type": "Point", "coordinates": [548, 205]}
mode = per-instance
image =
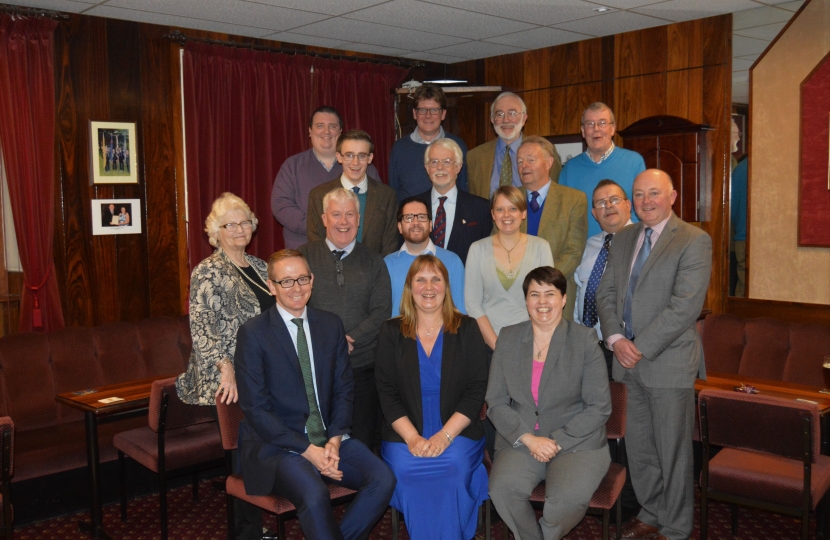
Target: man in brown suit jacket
{"type": "Point", "coordinates": [378, 202]}
{"type": "Point", "coordinates": [487, 165]}
{"type": "Point", "coordinates": [556, 213]}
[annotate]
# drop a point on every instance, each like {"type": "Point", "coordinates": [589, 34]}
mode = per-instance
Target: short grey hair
{"type": "Point", "coordinates": [447, 144]}
{"type": "Point", "coordinates": [341, 195]}
{"type": "Point", "coordinates": [598, 106]}
{"type": "Point", "coordinates": [227, 202]}
{"type": "Point", "coordinates": [504, 95]}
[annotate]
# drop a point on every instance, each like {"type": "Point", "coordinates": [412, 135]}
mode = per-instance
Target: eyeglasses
{"type": "Point", "coordinates": [349, 156]}
{"type": "Point", "coordinates": [511, 114]}
{"type": "Point", "coordinates": [423, 112]}
{"type": "Point", "coordinates": [287, 283]}
{"type": "Point", "coordinates": [447, 163]}
{"type": "Point", "coordinates": [409, 218]}
{"type": "Point", "coordinates": [599, 125]}
{"type": "Point", "coordinates": [603, 203]}
{"type": "Point", "coordinates": [233, 227]}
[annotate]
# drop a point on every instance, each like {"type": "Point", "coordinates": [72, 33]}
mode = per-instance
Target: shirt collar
{"type": "Point", "coordinates": [347, 184]}
{"type": "Point", "coordinates": [348, 249]}
{"type": "Point", "coordinates": [542, 191]}
{"type": "Point", "coordinates": [501, 145]}
{"type": "Point", "coordinates": [416, 136]}
{"type": "Point", "coordinates": [429, 249]}
{"type": "Point", "coordinates": [288, 316]}
{"type": "Point", "coordinates": [322, 162]}
{"type": "Point", "coordinates": [451, 195]}
{"type": "Point", "coordinates": [604, 156]}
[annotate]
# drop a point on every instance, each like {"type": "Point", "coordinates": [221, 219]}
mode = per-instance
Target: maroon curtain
{"type": "Point", "coordinates": [27, 134]}
{"type": "Point", "coordinates": [247, 111]}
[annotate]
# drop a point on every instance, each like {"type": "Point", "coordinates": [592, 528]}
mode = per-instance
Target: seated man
{"type": "Point", "coordinates": [296, 393]}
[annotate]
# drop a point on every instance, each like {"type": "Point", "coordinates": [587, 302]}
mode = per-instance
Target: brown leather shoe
{"type": "Point", "coordinates": [637, 529]}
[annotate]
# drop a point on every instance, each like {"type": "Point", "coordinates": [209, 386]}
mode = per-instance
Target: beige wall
{"type": "Point", "coordinates": [779, 269]}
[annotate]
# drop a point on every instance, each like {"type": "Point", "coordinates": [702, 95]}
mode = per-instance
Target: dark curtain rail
{"type": "Point", "coordinates": [18, 11]}
{"type": "Point", "coordinates": [181, 39]}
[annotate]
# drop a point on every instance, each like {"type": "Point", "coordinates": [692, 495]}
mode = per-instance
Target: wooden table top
{"type": "Point", "coordinates": [728, 381]}
{"type": "Point", "coordinates": [134, 394]}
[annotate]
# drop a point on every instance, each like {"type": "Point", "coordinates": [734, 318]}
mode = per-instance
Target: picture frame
{"type": "Point", "coordinates": [568, 146]}
{"type": "Point", "coordinates": [116, 216]}
{"type": "Point", "coordinates": [113, 152]}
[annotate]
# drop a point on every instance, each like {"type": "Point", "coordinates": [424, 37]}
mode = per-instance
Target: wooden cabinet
{"type": "Point", "coordinates": [680, 148]}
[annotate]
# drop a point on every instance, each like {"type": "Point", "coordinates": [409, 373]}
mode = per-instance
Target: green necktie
{"type": "Point", "coordinates": [506, 174]}
{"type": "Point", "coordinates": [314, 424]}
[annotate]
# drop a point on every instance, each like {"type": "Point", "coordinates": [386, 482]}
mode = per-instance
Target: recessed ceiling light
{"type": "Point", "coordinates": [601, 9]}
{"type": "Point", "coordinates": [447, 81]}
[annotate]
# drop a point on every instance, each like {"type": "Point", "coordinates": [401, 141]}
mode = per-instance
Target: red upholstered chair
{"type": "Point", "coordinates": [770, 457]}
{"type": "Point", "coordinates": [7, 464]}
{"type": "Point", "coordinates": [607, 495]}
{"type": "Point", "coordinates": [180, 439]}
{"type": "Point", "coordinates": [229, 418]}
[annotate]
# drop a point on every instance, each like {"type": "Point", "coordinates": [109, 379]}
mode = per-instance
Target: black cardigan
{"type": "Point", "coordinates": [464, 375]}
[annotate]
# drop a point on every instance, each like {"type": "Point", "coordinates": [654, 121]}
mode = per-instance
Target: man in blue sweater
{"type": "Point", "coordinates": [602, 161]}
{"type": "Point", "coordinates": [407, 175]}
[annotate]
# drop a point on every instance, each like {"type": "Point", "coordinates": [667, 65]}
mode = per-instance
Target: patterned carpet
{"type": "Point", "coordinates": [206, 520]}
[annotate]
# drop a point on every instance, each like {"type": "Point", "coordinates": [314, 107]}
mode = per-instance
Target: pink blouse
{"type": "Point", "coordinates": [535, 379]}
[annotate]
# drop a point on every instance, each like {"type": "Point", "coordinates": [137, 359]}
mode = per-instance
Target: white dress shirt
{"type": "Point", "coordinates": [347, 184]}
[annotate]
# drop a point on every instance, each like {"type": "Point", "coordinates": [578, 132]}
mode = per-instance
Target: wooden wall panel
{"type": "Point", "coordinates": [683, 50]}
{"type": "Point", "coordinates": [641, 52]}
{"type": "Point", "coordinates": [536, 69]}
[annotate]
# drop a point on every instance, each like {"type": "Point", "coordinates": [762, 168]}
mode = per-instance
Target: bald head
{"type": "Point", "coordinates": [653, 195]}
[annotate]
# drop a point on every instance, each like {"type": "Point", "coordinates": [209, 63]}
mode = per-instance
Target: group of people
{"type": "Point", "coordinates": [363, 354]}
{"type": "Point", "coordinates": [116, 159]}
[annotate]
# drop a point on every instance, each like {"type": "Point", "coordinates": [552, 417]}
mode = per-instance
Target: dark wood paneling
{"type": "Point", "coordinates": [793, 312]}
{"type": "Point", "coordinates": [641, 52]}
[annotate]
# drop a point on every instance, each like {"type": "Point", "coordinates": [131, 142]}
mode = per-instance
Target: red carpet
{"type": "Point", "coordinates": [206, 520]}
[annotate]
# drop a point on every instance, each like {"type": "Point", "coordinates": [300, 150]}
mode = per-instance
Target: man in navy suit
{"type": "Point", "coordinates": [459, 218]}
{"type": "Point", "coordinates": [296, 393]}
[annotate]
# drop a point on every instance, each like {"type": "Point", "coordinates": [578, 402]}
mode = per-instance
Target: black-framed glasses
{"type": "Point", "coordinates": [613, 201]}
{"type": "Point", "coordinates": [423, 111]}
{"type": "Point", "coordinates": [409, 218]}
{"type": "Point", "coordinates": [287, 283]}
{"type": "Point", "coordinates": [349, 156]}
{"type": "Point", "coordinates": [602, 124]}
{"type": "Point", "coordinates": [233, 227]}
{"type": "Point", "coordinates": [341, 280]}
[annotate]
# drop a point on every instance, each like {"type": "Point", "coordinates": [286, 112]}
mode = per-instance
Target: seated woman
{"type": "Point", "coordinates": [496, 266]}
{"type": "Point", "coordinates": [548, 398]}
{"type": "Point", "coordinates": [431, 372]}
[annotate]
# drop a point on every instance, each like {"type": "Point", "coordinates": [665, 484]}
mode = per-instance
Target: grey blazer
{"type": "Point", "coordinates": [574, 400]}
{"type": "Point", "coordinates": [666, 302]}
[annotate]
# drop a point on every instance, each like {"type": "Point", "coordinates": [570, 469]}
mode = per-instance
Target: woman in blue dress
{"type": "Point", "coordinates": [431, 372]}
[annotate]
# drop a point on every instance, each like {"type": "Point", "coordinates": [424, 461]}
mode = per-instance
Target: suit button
{"type": "Point", "coordinates": [305, 416]}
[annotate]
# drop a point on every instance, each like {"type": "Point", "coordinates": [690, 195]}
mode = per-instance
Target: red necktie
{"type": "Point", "coordinates": [440, 226]}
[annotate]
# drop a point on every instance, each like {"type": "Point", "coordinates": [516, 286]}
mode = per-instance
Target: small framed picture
{"type": "Point", "coordinates": [113, 157]}
{"type": "Point", "coordinates": [568, 146]}
{"type": "Point", "coordinates": [116, 216]}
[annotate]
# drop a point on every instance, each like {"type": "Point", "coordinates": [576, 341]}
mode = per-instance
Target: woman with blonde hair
{"type": "Point", "coordinates": [431, 372]}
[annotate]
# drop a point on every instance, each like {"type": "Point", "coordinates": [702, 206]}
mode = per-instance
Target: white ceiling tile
{"type": "Point", "coordinates": [759, 17]}
{"type": "Point", "coordinates": [791, 6]}
{"type": "Point", "coordinates": [299, 39]}
{"type": "Point", "coordinates": [687, 10]}
{"type": "Point", "coordinates": [741, 64]}
{"type": "Point", "coordinates": [532, 11]}
{"type": "Point", "coordinates": [68, 6]}
{"type": "Point", "coordinates": [377, 34]}
{"type": "Point", "coordinates": [374, 49]}
{"type": "Point", "coordinates": [741, 77]}
{"type": "Point", "coordinates": [439, 19]}
{"type": "Point", "coordinates": [751, 57]}
{"type": "Point", "coordinates": [476, 49]}
{"type": "Point", "coordinates": [225, 11]}
{"type": "Point", "coordinates": [625, 4]}
{"type": "Point", "coordinates": [778, 2]}
{"type": "Point", "coordinates": [611, 23]}
{"type": "Point", "coordinates": [432, 57]}
{"type": "Point", "coordinates": [767, 32]}
{"type": "Point", "coordinates": [744, 46]}
{"type": "Point", "coordinates": [538, 38]}
{"type": "Point", "coordinates": [740, 93]}
{"type": "Point", "coordinates": [329, 7]}
{"type": "Point", "coordinates": [171, 20]}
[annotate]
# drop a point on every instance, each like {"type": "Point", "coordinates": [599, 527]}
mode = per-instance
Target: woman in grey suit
{"type": "Point", "coordinates": [548, 399]}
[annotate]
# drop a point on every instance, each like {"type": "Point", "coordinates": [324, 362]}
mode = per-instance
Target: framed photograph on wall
{"type": "Point", "coordinates": [568, 146]}
{"type": "Point", "coordinates": [112, 152]}
{"type": "Point", "coordinates": [116, 216]}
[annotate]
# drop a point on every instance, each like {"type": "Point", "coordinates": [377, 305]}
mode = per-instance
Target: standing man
{"type": "Point", "coordinates": [415, 224]}
{"type": "Point", "coordinates": [648, 300]}
{"type": "Point", "coordinates": [460, 217]}
{"type": "Point", "coordinates": [602, 160]}
{"type": "Point", "coordinates": [556, 213]}
{"type": "Point", "coordinates": [406, 176]}
{"type": "Point", "coordinates": [107, 215]}
{"type": "Point", "coordinates": [295, 389]}
{"type": "Point", "coordinates": [305, 171]}
{"type": "Point", "coordinates": [493, 163]}
{"type": "Point", "coordinates": [377, 202]}
{"type": "Point", "coordinates": [352, 281]}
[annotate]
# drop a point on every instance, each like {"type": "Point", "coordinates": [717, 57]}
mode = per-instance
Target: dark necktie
{"type": "Point", "coordinates": [338, 264]}
{"type": "Point", "coordinates": [534, 204]}
{"type": "Point", "coordinates": [506, 173]}
{"type": "Point", "coordinates": [642, 255]}
{"type": "Point", "coordinates": [356, 190]}
{"type": "Point", "coordinates": [314, 424]}
{"type": "Point", "coordinates": [338, 254]}
{"type": "Point", "coordinates": [589, 309]}
{"type": "Point", "coordinates": [440, 228]}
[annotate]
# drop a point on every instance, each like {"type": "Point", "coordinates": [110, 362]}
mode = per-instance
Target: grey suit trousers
{"type": "Point", "coordinates": [570, 482]}
{"type": "Point", "coordinates": [659, 442]}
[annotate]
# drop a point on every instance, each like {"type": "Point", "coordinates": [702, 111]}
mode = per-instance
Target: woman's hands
{"type": "Point", "coordinates": [542, 449]}
{"type": "Point", "coordinates": [426, 448]}
{"type": "Point", "coordinates": [226, 393]}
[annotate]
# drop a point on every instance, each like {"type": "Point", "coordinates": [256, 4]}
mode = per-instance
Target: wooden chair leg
{"type": "Point", "coordinates": [704, 524]}
{"type": "Point", "coordinates": [606, 521]}
{"type": "Point", "coordinates": [195, 482]}
{"type": "Point", "coordinates": [488, 520]}
{"type": "Point", "coordinates": [734, 511]}
{"type": "Point", "coordinates": [281, 526]}
{"type": "Point", "coordinates": [618, 518]}
{"type": "Point", "coordinates": [395, 523]}
{"type": "Point", "coordinates": [163, 503]}
{"type": "Point", "coordinates": [231, 518]}
{"type": "Point", "coordinates": [122, 484]}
